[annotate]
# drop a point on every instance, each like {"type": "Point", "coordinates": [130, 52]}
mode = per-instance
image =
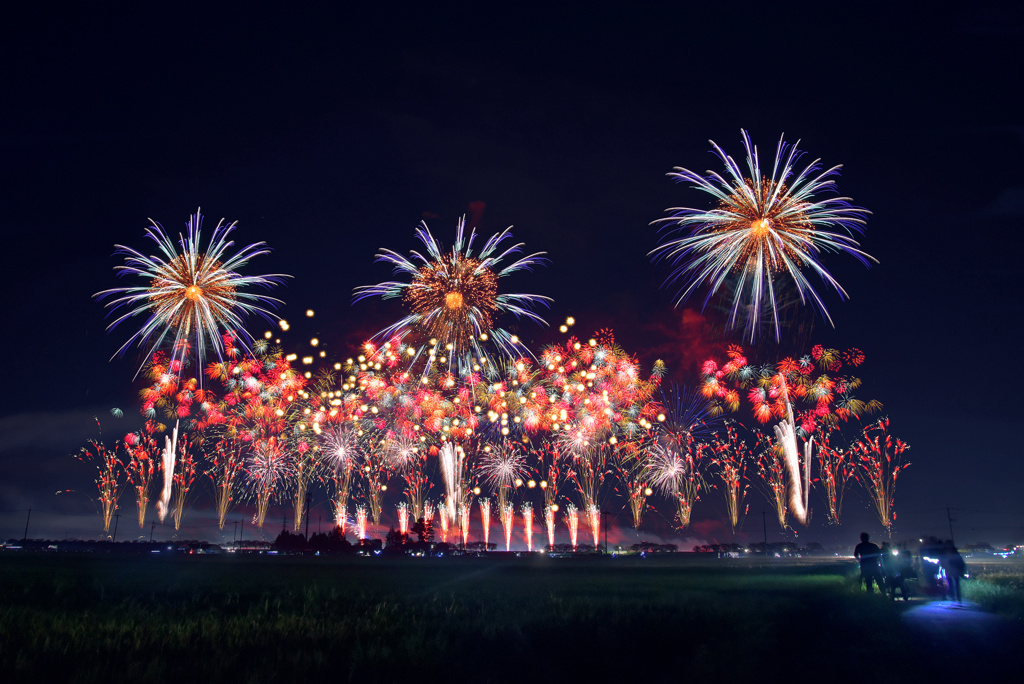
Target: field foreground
{"type": "Point", "coordinates": [95, 618]}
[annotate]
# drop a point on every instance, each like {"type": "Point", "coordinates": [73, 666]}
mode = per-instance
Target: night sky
{"type": "Point", "coordinates": [329, 135]}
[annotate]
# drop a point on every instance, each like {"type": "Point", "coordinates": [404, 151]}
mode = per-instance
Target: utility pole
{"type": "Point", "coordinates": [235, 533]}
{"type": "Point", "coordinates": [949, 518]}
{"type": "Point", "coordinates": [152, 526]}
{"type": "Point", "coordinates": [28, 517]}
{"type": "Point", "coordinates": [117, 519]}
{"type": "Point", "coordinates": [764, 523]}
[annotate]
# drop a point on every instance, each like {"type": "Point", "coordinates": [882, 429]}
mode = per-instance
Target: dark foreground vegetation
{"type": "Point", "coordinates": [104, 618]}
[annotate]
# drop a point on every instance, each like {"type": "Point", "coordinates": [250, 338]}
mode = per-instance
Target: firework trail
{"type": "Point", "coordinates": [267, 471]}
{"type": "Point", "coordinates": [527, 510]}
{"type": "Point", "coordinates": [141, 467]}
{"type": "Point", "coordinates": [549, 522]}
{"type": "Point", "coordinates": [340, 515]}
{"type": "Point", "coordinates": [507, 513]}
{"type": "Point", "coordinates": [572, 519]}
{"type": "Point", "coordinates": [771, 471]}
{"type": "Point", "coordinates": [111, 479]}
{"type": "Point", "coordinates": [307, 466]}
{"type": "Point", "coordinates": [428, 512]}
{"type": "Point", "coordinates": [464, 523]}
{"type": "Point", "coordinates": [880, 460]}
{"type": "Point", "coordinates": [836, 468]}
{"type": "Point", "coordinates": [225, 466]}
{"type": "Point", "coordinates": [361, 522]}
{"type": "Point", "coordinates": [442, 515]}
{"type": "Point", "coordinates": [730, 457]}
{"type": "Point", "coordinates": [403, 518]}
{"type": "Point", "coordinates": [485, 517]}
{"type": "Point", "coordinates": [453, 298]}
{"type": "Point", "coordinates": [191, 297]}
{"type": "Point", "coordinates": [594, 519]}
{"type": "Point", "coordinates": [451, 462]}
{"type": "Point", "coordinates": [341, 453]}
{"type": "Point", "coordinates": [184, 477]}
{"type": "Point", "coordinates": [762, 226]}
{"type": "Point", "coordinates": [167, 460]}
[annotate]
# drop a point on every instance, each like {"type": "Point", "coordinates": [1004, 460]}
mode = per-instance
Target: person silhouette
{"type": "Point", "coordinates": [870, 557]}
{"type": "Point", "coordinates": [953, 566]}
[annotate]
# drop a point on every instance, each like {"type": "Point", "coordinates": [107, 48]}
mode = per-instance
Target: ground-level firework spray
{"type": "Point", "coordinates": [572, 519]}
{"type": "Point", "coordinates": [464, 523]}
{"type": "Point", "coordinates": [594, 519]}
{"type": "Point", "coordinates": [508, 519]}
{"type": "Point", "coordinates": [170, 449]}
{"type": "Point", "coordinates": [403, 518]}
{"type": "Point", "coordinates": [485, 518]}
{"type": "Point", "coordinates": [361, 522]}
{"type": "Point", "coordinates": [528, 524]}
{"type": "Point", "coordinates": [549, 522]}
{"type": "Point", "coordinates": [340, 516]}
{"type": "Point", "coordinates": [442, 515]}
{"type": "Point", "coordinates": [428, 512]}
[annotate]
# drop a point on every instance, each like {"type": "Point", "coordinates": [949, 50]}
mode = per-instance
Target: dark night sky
{"type": "Point", "coordinates": [329, 135]}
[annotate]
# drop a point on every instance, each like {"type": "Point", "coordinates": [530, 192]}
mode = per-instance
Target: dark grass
{"type": "Point", "coordinates": [94, 618]}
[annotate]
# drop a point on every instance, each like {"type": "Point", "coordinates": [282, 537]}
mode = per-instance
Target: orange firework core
{"type": "Point", "coordinates": [759, 228]}
{"type": "Point", "coordinates": [455, 297]}
{"type": "Point", "coordinates": [453, 300]}
{"type": "Point", "coordinates": [193, 292]}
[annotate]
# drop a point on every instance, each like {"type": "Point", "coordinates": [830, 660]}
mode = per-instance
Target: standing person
{"type": "Point", "coordinates": [953, 566]}
{"type": "Point", "coordinates": [869, 556]}
{"type": "Point", "coordinates": [888, 559]}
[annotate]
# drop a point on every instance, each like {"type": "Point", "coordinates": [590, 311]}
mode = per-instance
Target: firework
{"type": "Point", "coordinates": [763, 227]}
{"type": "Point", "coordinates": [572, 520]}
{"type": "Point", "coordinates": [673, 471]}
{"type": "Point", "coordinates": [464, 522]}
{"type": "Point", "coordinates": [452, 461]}
{"type": "Point", "coordinates": [141, 467]}
{"type": "Point", "coordinates": [361, 522]}
{"type": "Point", "coordinates": [824, 399]}
{"type": "Point", "coordinates": [730, 457]}
{"type": "Point", "coordinates": [341, 454]}
{"type": "Point", "coordinates": [428, 512]}
{"type": "Point", "coordinates": [167, 460]}
{"type": "Point", "coordinates": [184, 477]}
{"type": "Point", "coordinates": [632, 472]}
{"type": "Point", "coordinates": [442, 516]}
{"type": "Point", "coordinates": [403, 518]}
{"type": "Point", "coordinates": [111, 479]}
{"type": "Point", "coordinates": [836, 468]}
{"type": "Point", "coordinates": [453, 297]}
{"type": "Point", "coordinates": [191, 296]}
{"type": "Point", "coordinates": [527, 511]}
{"type": "Point", "coordinates": [306, 463]}
{"type": "Point", "coordinates": [225, 466]}
{"type": "Point", "coordinates": [771, 471]}
{"type": "Point", "coordinates": [485, 518]}
{"type": "Point", "coordinates": [594, 520]}
{"type": "Point", "coordinates": [549, 522]}
{"type": "Point", "coordinates": [267, 472]}
{"type": "Point", "coordinates": [507, 513]}
{"type": "Point", "coordinates": [880, 460]}
{"type": "Point", "coordinates": [502, 467]}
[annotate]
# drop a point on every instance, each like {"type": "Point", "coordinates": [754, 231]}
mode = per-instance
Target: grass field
{"type": "Point", "coordinates": [94, 618]}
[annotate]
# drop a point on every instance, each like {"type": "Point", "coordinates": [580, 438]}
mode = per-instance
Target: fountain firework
{"type": "Point", "coordinates": [485, 517]}
{"type": "Point", "coordinates": [572, 519]}
{"type": "Point", "coordinates": [527, 510]}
